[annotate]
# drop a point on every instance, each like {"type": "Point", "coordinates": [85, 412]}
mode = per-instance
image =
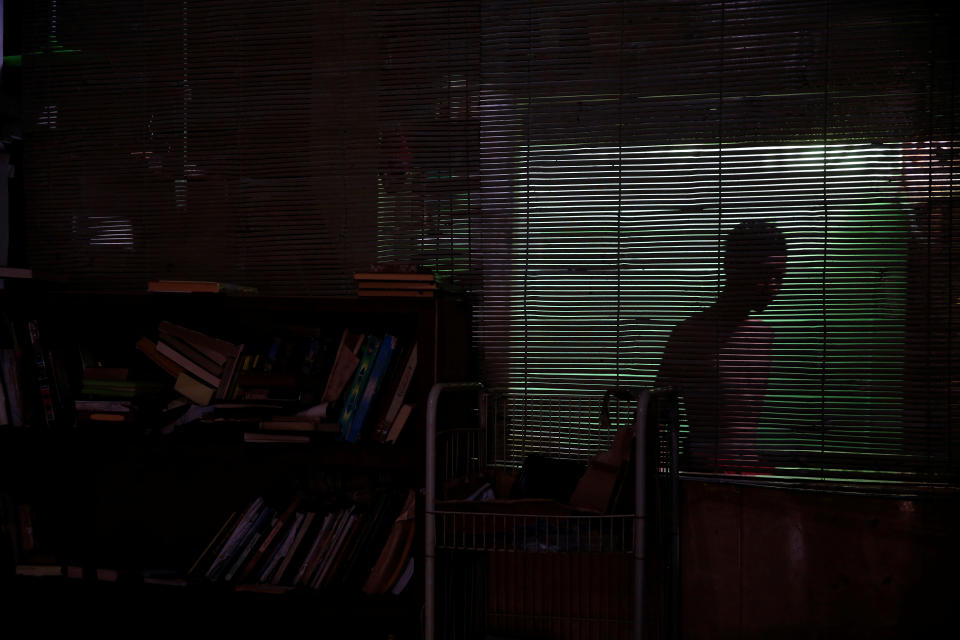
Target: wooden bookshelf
{"type": "Point", "coordinates": [114, 499]}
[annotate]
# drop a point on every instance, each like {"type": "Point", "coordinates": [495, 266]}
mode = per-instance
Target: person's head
{"type": "Point", "coordinates": [754, 262]}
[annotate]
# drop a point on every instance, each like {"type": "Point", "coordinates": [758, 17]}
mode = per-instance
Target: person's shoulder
{"type": "Point", "coordinates": [694, 321]}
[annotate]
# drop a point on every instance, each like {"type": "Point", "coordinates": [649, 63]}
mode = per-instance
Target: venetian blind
{"type": "Point", "coordinates": [216, 140]}
{"type": "Point", "coordinates": [575, 167]}
{"type": "Point", "coordinates": [583, 163]}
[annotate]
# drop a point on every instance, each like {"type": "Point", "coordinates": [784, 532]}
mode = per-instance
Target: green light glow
{"type": "Point", "coordinates": [646, 223]}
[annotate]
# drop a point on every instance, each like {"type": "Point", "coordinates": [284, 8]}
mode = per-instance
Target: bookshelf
{"type": "Point", "coordinates": [125, 506]}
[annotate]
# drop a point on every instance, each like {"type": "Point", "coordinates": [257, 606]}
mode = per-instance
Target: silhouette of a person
{"type": "Point", "coordinates": [718, 359]}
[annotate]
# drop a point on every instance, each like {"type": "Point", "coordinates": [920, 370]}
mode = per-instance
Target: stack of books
{"type": "Point", "coordinates": [204, 367]}
{"type": "Point", "coordinates": [108, 394]}
{"type": "Point", "coordinates": [402, 284]}
{"type": "Point", "coordinates": [197, 286]}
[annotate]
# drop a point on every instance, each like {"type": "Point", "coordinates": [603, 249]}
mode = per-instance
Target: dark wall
{"type": "Point", "coordinates": [786, 563]}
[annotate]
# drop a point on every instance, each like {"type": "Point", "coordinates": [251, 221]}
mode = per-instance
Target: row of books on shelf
{"type": "Point", "coordinates": [351, 547]}
{"type": "Point", "coordinates": [355, 547]}
{"type": "Point", "coordinates": [28, 376]}
{"type": "Point", "coordinates": [288, 386]}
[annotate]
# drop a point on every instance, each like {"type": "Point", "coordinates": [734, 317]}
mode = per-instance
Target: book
{"type": "Point", "coordinates": [231, 372]}
{"type": "Point", "coordinates": [328, 546]}
{"type": "Point", "coordinates": [104, 574]}
{"type": "Point", "coordinates": [295, 546]}
{"type": "Point", "coordinates": [597, 488]}
{"type": "Point", "coordinates": [397, 283]}
{"type": "Point", "coordinates": [299, 423]}
{"type": "Point", "coordinates": [398, 422]}
{"type": "Point", "coordinates": [103, 416]}
{"type": "Point", "coordinates": [188, 365]}
{"type": "Point", "coordinates": [395, 276]}
{"type": "Point", "coordinates": [335, 551]}
{"type": "Point", "coordinates": [282, 550]}
{"type": "Point", "coordinates": [193, 389]}
{"type": "Point", "coordinates": [333, 573]}
{"type": "Point", "coordinates": [369, 543]}
{"type": "Point", "coordinates": [398, 392]}
{"type": "Point", "coordinates": [377, 371]}
{"type": "Point", "coordinates": [250, 542]}
{"type": "Point", "coordinates": [190, 353]}
{"type": "Point", "coordinates": [39, 570]}
{"type": "Point", "coordinates": [10, 373]}
{"type": "Point", "coordinates": [315, 412]}
{"type": "Point", "coordinates": [319, 538]}
{"type": "Point", "coordinates": [237, 534]}
{"type": "Point", "coordinates": [396, 551]}
{"type": "Point", "coordinates": [404, 578]}
{"type": "Point", "coordinates": [4, 416]}
{"type": "Point", "coordinates": [254, 437]}
{"type": "Point", "coordinates": [123, 388]}
{"type": "Point", "coordinates": [344, 365]}
{"type": "Point", "coordinates": [16, 272]}
{"type": "Point", "coordinates": [415, 285]}
{"type": "Point", "coordinates": [395, 293]}
{"type": "Point", "coordinates": [197, 286]}
{"type": "Point", "coordinates": [221, 358]}
{"type": "Point", "coordinates": [213, 547]}
{"type": "Point", "coordinates": [106, 373]}
{"type": "Point", "coordinates": [262, 588]}
{"type": "Point", "coordinates": [279, 522]}
{"type": "Point", "coordinates": [216, 349]}
{"type": "Point", "coordinates": [163, 577]}
{"type": "Point", "coordinates": [371, 347]}
{"type": "Point", "coordinates": [42, 373]}
{"type": "Point", "coordinates": [149, 349]}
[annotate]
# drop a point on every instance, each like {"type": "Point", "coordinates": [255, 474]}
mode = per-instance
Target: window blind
{"type": "Point", "coordinates": [220, 140]}
{"type": "Point", "coordinates": [575, 168]}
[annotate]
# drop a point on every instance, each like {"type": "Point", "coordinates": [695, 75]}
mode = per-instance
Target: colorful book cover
{"type": "Point", "coordinates": [377, 373]}
{"type": "Point", "coordinates": [371, 345]}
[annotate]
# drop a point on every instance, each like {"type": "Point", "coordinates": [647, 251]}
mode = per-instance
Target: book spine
{"type": "Point", "coordinates": [333, 554]}
{"type": "Point", "coordinates": [239, 531]}
{"type": "Point", "coordinates": [395, 293]}
{"type": "Point", "coordinates": [193, 368]}
{"type": "Point", "coordinates": [295, 547]}
{"type": "Point", "coordinates": [4, 416]}
{"type": "Point", "coordinates": [268, 539]}
{"type": "Point", "coordinates": [398, 422]}
{"type": "Point", "coordinates": [344, 366]}
{"type": "Point", "coordinates": [188, 351]}
{"type": "Point", "coordinates": [314, 548]}
{"type": "Point", "coordinates": [214, 546]}
{"type": "Point", "coordinates": [399, 393]}
{"type": "Point", "coordinates": [357, 384]}
{"type": "Point", "coordinates": [149, 349]}
{"type": "Point", "coordinates": [249, 544]}
{"type": "Point", "coordinates": [323, 550]}
{"type": "Point", "coordinates": [231, 373]}
{"type": "Point", "coordinates": [216, 349]}
{"type": "Point", "coordinates": [377, 371]}
{"type": "Point", "coordinates": [276, 560]}
{"type": "Point", "coordinates": [393, 275]}
{"type": "Point", "coordinates": [42, 372]}
{"type": "Point", "coordinates": [10, 369]}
